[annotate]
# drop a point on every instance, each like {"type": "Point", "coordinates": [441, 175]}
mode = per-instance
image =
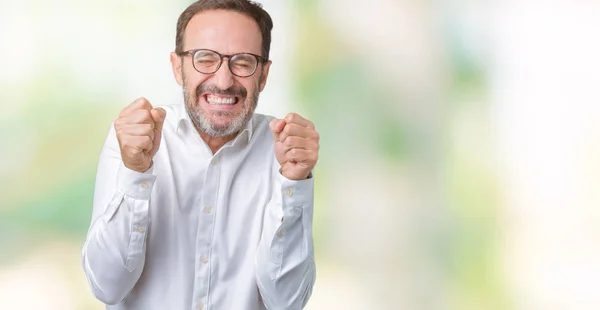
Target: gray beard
{"type": "Point", "coordinates": [202, 122]}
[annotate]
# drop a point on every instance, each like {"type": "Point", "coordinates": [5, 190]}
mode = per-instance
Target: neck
{"type": "Point", "coordinates": [215, 143]}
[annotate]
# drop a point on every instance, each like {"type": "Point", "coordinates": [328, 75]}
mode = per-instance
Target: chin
{"type": "Point", "coordinates": [220, 125]}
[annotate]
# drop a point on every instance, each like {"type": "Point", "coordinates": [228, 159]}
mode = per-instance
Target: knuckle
{"type": "Point", "coordinates": [142, 102]}
{"type": "Point", "coordinates": [130, 150]}
{"type": "Point", "coordinates": [118, 123]}
{"type": "Point", "coordinates": [291, 117]}
{"type": "Point", "coordinates": [123, 113]}
{"type": "Point", "coordinates": [135, 150]}
{"type": "Point", "coordinates": [146, 115]}
{"type": "Point", "coordinates": [148, 129]}
{"type": "Point", "coordinates": [288, 141]}
{"type": "Point", "coordinates": [143, 117]}
{"type": "Point", "coordinates": [315, 145]}
{"type": "Point", "coordinates": [272, 123]}
{"type": "Point", "coordinates": [123, 139]}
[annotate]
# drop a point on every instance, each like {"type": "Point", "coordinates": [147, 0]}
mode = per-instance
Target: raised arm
{"type": "Point", "coordinates": [285, 266]}
{"type": "Point", "coordinates": [114, 252]}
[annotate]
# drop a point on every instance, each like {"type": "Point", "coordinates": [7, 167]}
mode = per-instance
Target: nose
{"type": "Point", "coordinates": [224, 76]}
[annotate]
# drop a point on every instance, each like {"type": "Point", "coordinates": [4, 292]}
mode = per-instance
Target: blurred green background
{"type": "Point", "coordinates": [459, 163]}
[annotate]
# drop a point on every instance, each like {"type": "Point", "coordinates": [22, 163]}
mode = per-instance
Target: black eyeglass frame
{"type": "Point", "coordinates": [259, 60]}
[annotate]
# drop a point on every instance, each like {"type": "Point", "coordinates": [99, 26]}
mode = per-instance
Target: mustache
{"type": "Point", "coordinates": [231, 91]}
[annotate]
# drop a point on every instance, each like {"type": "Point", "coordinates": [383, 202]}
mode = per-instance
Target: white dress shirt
{"type": "Point", "coordinates": [200, 231]}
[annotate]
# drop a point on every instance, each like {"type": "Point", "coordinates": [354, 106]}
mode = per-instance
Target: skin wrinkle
{"type": "Point", "coordinates": [225, 32]}
{"type": "Point", "coordinates": [201, 120]}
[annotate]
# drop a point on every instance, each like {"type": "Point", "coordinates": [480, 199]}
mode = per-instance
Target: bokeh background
{"type": "Point", "coordinates": [460, 159]}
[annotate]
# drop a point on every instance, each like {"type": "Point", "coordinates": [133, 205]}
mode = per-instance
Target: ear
{"type": "Point", "coordinates": [176, 65]}
{"type": "Point", "coordinates": [264, 75]}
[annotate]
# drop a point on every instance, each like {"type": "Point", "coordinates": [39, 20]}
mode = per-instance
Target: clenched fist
{"type": "Point", "coordinates": [139, 130]}
{"type": "Point", "coordinates": [296, 146]}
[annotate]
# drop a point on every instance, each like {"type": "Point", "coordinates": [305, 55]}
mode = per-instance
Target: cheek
{"type": "Point", "coordinates": [251, 85]}
{"type": "Point", "coordinates": [191, 82]}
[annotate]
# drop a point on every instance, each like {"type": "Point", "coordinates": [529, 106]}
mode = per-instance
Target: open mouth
{"type": "Point", "coordinates": [221, 100]}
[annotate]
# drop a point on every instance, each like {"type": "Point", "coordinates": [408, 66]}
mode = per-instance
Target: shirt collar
{"type": "Point", "coordinates": [184, 123]}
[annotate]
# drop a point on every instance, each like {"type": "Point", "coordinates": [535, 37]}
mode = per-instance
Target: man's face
{"type": "Point", "coordinates": [220, 104]}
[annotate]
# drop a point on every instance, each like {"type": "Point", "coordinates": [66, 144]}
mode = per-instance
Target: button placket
{"type": "Point", "coordinates": [205, 233]}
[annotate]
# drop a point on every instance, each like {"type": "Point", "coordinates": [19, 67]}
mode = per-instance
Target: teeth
{"type": "Point", "coordinates": [217, 100]}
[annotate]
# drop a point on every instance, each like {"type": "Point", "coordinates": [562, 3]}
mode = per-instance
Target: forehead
{"type": "Point", "coordinates": [226, 32]}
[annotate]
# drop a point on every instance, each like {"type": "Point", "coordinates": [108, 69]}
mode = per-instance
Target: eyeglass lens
{"type": "Point", "coordinates": [240, 64]}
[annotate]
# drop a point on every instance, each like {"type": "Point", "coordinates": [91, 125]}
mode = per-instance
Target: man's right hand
{"type": "Point", "coordinates": [139, 131]}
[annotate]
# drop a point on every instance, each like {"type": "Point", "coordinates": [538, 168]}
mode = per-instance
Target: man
{"type": "Point", "coordinates": [206, 205]}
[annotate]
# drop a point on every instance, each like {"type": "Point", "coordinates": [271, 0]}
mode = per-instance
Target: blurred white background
{"type": "Point", "coordinates": [460, 158]}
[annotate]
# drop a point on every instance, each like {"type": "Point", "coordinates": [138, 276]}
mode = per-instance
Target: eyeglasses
{"type": "Point", "coordinates": [208, 62]}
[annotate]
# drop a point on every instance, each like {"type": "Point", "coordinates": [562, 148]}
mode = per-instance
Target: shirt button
{"type": "Point", "coordinates": [200, 307]}
{"type": "Point", "coordinates": [214, 161]}
{"type": "Point", "coordinates": [207, 210]}
{"type": "Point", "coordinates": [289, 192]}
{"type": "Point", "coordinates": [279, 234]}
{"type": "Point", "coordinates": [204, 260]}
{"type": "Point", "coordinates": [140, 229]}
{"type": "Point", "coordinates": [144, 185]}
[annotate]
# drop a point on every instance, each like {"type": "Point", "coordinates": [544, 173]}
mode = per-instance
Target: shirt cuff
{"type": "Point", "coordinates": [135, 184]}
{"type": "Point", "coordinates": [297, 193]}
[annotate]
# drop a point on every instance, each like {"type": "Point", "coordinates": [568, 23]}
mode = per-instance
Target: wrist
{"type": "Point", "coordinates": [139, 168]}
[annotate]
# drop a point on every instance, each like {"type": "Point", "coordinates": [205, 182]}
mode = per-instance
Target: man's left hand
{"type": "Point", "coordinates": [296, 146]}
